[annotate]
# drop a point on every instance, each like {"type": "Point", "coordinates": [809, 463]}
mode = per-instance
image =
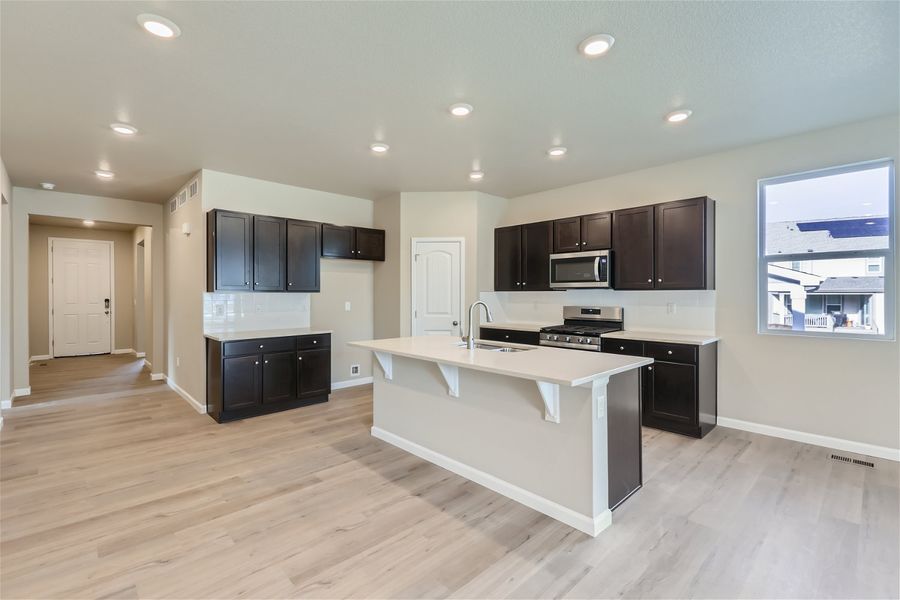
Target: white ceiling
{"type": "Point", "coordinates": [296, 91]}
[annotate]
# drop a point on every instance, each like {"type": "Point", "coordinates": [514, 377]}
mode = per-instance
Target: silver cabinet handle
{"type": "Point", "coordinates": [299, 358]}
{"type": "Point", "coordinates": [266, 362]}
{"type": "Point", "coordinates": [621, 347]}
{"type": "Point", "coordinates": [256, 363]}
{"type": "Point", "coordinates": [649, 368]}
{"type": "Point", "coordinates": [246, 283]}
{"type": "Point", "coordinates": [650, 280]}
{"type": "Point", "coordinates": [669, 352]}
{"type": "Point", "coordinates": [660, 280]}
{"type": "Point", "coordinates": [315, 341]}
{"type": "Point", "coordinates": [260, 345]}
{"type": "Point", "coordinates": [290, 284]}
{"type": "Point", "coordinates": [507, 337]}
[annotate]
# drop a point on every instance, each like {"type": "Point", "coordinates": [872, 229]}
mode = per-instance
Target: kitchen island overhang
{"type": "Point", "coordinates": [554, 429]}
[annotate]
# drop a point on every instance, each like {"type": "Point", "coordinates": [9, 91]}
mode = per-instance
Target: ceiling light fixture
{"type": "Point", "coordinates": [48, 186]}
{"type": "Point", "coordinates": [88, 222]}
{"type": "Point", "coordinates": [557, 151]}
{"type": "Point", "coordinates": [158, 26]}
{"type": "Point", "coordinates": [870, 222]}
{"type": "Point", "coordinates": [123, 128]}
{"type": "Point", "coordinates": [678, 116]}
{"type": "Point", "coordinates": [461, 109]}
{"type": "Point", "coordinates": [476, 175]}
{"type": "Point", "coordinates": [379, 147]}
{"type": "Point", "coordinates": [867, 204]}
{"type": "Point", "coordinates": [104, 174]}
{"type": "Point", "coordinates": [596, 45]}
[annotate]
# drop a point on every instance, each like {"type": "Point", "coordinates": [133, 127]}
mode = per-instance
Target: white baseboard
{"type": "Point", "coordinates": [812, 438]}
{"type": "Point", "coordinates": [25, 391]}
{"type": "Point", "coordinates": [148, 364]}
{"type": "Point", "coordinates": [4, 404]}
{"type": "Point", "coordinates": [157, 376]}
{"type": "Point", "coordinates": [140, 354]}
{"type": "Point", "coordinates": [123, 351]}
{"type": "Point", "coordinates": [38, 357]}
{"type": "Point", "coordinates": [195, 404]}
{"type": "Point", "coordinates": [339, 385]}
{"type": "Point", "coordinates": [590, 526]}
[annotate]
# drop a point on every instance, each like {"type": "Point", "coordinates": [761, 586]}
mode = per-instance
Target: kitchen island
{"type": "Point", "coordinates": [556, 430]}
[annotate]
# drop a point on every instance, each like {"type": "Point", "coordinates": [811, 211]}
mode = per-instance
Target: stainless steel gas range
{"type": "Point", "coordinates": [582, 327]}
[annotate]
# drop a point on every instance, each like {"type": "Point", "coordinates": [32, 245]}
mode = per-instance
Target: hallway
{"type": "Point", "coordinates": [79, 376]}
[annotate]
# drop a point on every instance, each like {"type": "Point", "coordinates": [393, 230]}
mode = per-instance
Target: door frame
{"type": "Point", "coordinates": [412, 275]}
{"type": "Point", "coordinates": [112, 290]}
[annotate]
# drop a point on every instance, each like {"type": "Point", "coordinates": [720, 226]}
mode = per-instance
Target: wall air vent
{"type": "Point", "coordinates": [193, 188]}
{"type": "Point", "coordinates": [854, 461]}
{"type": "Point", "coordinates": [173, 205]}
{"type": "Point", "coordinates": [182, 197]}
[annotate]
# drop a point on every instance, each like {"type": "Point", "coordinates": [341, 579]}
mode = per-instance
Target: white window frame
{"type": "Point", "coordinates": [890, 299]}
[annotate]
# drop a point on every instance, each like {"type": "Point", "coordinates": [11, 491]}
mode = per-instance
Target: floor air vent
{"type": "Point", "coordinates": [854, 461]}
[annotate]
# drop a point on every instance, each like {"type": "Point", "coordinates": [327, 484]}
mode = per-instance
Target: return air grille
{"type": "Point", "coordinates": [854, 461]}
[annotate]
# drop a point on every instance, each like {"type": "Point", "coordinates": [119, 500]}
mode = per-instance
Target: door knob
{"type": "Point", "coordinates": [455, 323]}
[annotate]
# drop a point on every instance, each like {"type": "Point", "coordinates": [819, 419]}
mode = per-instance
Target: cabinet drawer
{"type": "Point", "coordinates": [684, 353]}
{"type": "Point", "coordinates": [513, 336]}
{"type": "Point", "coordinates": [258, 346]}
{"type": "Point", "coordinates": [628, 347]}
{"type": "Point", "coordinates": [322, 340]}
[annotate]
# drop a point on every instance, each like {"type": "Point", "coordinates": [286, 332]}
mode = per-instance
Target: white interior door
{"type": "Point", "coordinates": [437, 287]}
{"type": "Point", "coordinates": [80, 292]}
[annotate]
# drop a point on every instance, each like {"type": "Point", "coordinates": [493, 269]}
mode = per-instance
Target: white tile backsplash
{"type": "Point", "coordinates": [246, 311]}
{"type": "Point", "coordinates": [694, 311]}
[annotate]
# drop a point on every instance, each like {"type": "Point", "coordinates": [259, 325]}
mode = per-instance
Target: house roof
{"type": "Point", "coordinates": [830, 235]}
{"type": "Point", "coordinates": [850, 285]}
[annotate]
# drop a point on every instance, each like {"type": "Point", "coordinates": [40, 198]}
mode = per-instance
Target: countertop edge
{"type": "Point", "coordinates": [238, 336]}
{"type": "Point", "coordinates": [665, 338]}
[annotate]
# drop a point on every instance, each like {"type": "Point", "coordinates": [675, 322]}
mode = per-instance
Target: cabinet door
{"type": "Point", "coordinates": [369, 244]}
{"type": "Point", "coordinates": [313, 372]}
{"type": "Point", "coordinates": [268, 254]}
{"type": "Point", "coordinates": [508, 258]}
{"type": "Point", "coordinates": [633, 249]}
{"type": "Point", "coordinates": [234, 250]}
{"type": "Point", "coordinates": [596, 231]}
{"type": "Point", "coordinates": [673, 394]}
{"type": "Point", "coordinates": [302, 256]}
{"type": "Point", "coordinates": [681, 244]}
{"type": "Point", "coordinates": [567, 235]}
{"type": "Point", "coordinates": [537, 240]}
{"type": "Point", "coordinates": [240, 381]}
{"type": "Point", "coordinates": [337, 241]}
{"type": "Point", "coordinates": [279, 377]}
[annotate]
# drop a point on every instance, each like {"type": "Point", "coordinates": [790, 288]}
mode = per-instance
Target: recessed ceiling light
{"type": "Point", "coordinates": [123, 128]}
{"type": "Point", "coordinates": [596, 45]}
{"type": "Point", "coordinates": [476, 175]}
{"type": "Point", "coordinates": [48, 186]}
{"type": "Point", "coordinates": [104, 174]}
{"type": "Point", "coordinates": [557, 151]}
{"type": "Point", "coordinates": [870, 222]}
{"type": "Point", "coordinates": [159, 26]}
{"type": "Point", "coordinates": [867, 204]}
{"type": "Point", "coordinates": [379, 147]}
{"type": "Point", "coordinates": [461, 109]}
{"type": "Point", "coordinates": [88, 222]}
{"type": "Point", "coordinates": [678, 116]}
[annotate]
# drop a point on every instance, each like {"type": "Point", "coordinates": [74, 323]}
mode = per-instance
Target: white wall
{"type": "Point", "coordinates": [341, 280]}
{"type": "Point", "coordinates": [74, 206]}
{"type": "Point", "coordinates": [840, 388]}
{"type": "Point", "coordinates": [6, 282]}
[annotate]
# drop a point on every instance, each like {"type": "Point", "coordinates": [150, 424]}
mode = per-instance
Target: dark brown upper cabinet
{"type": "Point", "coordinates": [337, 241]}
{"type": "Point", "coordinates": [567, 235]}
{"type": "Point", "coordinates": [669, 246]}
{"type": "Point", "coordinates": [685, 239]}
{"type": "Point", "coordinates": [522, 257]}
{"type": "Point", "coordinates": [508, 259]}
{"type": "Point", "coordinates": [633, 251]}
{"type": "Point", "coordinates": [537, 243]}
{"type": "Point", "coordinates": [587, 232]}
{"type": "Point", "coordinates": [269, 245]}
{"type": "Point", "coordinates": [303, 256]}
{"type": "Point", "coordinates": [369, 243]}
{"type": "Point", "coordinates": [596, 231]}
{"type": "Point", "coordinates": [229, 252]}
{"type": "Point", "coordinates": [362, 243]}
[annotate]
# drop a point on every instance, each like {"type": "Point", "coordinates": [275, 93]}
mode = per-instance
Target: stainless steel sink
{"type": "Point", "coordinates": [494, 347]}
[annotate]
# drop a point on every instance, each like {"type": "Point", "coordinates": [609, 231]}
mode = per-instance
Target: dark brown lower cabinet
{"type": "Point", "coordinates": [513, 336]}
{"type": "Point", "coordinates": [252, 377]}
{"type": "Point", "coordinates": [623, 437]}
{"type": "Point", "coordinates": [678, 391]}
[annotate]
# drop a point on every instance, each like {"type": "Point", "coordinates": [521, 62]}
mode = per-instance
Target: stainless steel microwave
{"type": "Point", "coordinates": [590, 269]}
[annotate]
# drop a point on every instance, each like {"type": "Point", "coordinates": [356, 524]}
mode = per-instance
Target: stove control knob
{"type": "Point", "coordinates": [568, 339]}
{"type": "Point", "coordinates": [580, 340]}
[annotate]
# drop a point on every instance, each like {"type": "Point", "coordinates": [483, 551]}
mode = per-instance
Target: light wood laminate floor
{"type": "Point", "coordinates": [138, 496]}
{"type": "Point", "coordinates": [61, 378]}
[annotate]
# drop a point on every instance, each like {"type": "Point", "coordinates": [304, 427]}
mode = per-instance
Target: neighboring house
{"type": "Point", "coordinates": [841, 295]}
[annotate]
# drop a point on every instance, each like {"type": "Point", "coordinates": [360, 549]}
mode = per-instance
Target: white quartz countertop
{"type": "Point", "coordinates": [229, 335]}
{"type": "Point", "coordinates": [538, 363]}
{"type": "Point", "coordinates": [662, 336]}
{"type": "Point", "coordinates": [517, 325]}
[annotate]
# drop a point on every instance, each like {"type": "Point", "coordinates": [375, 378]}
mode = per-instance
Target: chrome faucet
{"type": "Point", "coordinates": [470, 340]}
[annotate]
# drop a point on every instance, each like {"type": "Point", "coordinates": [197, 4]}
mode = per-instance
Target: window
{"type": "Point", "coordinates": [826, 251]}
